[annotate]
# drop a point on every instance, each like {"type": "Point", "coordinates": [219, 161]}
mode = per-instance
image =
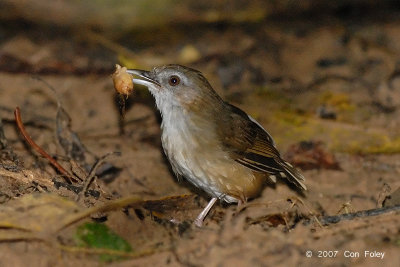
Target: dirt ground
{"type": "Point", "coordinates": [328, 91]}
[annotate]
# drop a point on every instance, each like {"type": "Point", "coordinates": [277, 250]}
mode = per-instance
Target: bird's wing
{"type": "Point", "coordinates": [252, 146]}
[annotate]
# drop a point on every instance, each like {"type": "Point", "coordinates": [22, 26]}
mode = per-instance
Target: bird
{"type": "Point", "coordinates": [213, 144]}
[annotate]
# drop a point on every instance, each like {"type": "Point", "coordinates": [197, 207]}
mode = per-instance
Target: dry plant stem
{"type": "Point", "coordinates": [24, 236]}
{"type": "Point", "coordinates": [92, 174]}
{"type": "Point", "coordinates": [67, 177]}
{"type": "Point", "coordinates": [50, 87]}
{"type": "Point", "coordinates": [111, 205]}
{"type": "Point", "coordinates": [356, 225]}
{"type": "Point", "coordinates": [326, 220]}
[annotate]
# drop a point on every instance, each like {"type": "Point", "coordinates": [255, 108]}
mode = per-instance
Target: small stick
{"type": "Point", "coordinates": [325, 220]}
{"type": "Point", "coordinates": [67, 177]}
{"type": "Point", "coordinates": [89, 179]}
{"type": "Point", "coordinates": [132, 200]}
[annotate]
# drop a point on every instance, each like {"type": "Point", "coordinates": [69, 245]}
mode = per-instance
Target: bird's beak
{"type": "Point", "coordinates": [145, 78]}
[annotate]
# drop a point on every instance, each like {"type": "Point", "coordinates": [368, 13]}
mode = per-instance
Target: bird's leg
{"type": "Point", "coordinates": [199, 220]}
{"type": "Point", "coordinates": [239, 206]}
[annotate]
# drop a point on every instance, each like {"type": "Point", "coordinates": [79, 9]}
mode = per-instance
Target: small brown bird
{"type": "Point", "coordinates": [216, 146]}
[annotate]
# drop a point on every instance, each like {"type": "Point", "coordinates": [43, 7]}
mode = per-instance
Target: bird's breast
{"type": "Point", "coordinates": [195, 152]}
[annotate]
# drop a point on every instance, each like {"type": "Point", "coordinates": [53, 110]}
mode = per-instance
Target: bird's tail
{"type": "Point", "coordinates": [293, 174]}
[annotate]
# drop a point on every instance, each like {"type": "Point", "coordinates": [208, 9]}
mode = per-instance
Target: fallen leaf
{"type": "Point", "coordinates": [96, 235]}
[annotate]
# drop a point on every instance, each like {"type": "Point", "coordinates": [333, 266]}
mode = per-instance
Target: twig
{"type": "Point", "coordinates": [68, 177]}
{"type": "Point", "coordinates": [326, 220]}
{"type": "Point", "coordinates": [37, 77]}
{"type": "Point", "coordinates": [75, 188]}
{"type": "Point", "coordinates": [92, 173]}
{"type": "Point", "coordinates": [24, 236]}
{"type": "Point", "coordinates": [111, 205]}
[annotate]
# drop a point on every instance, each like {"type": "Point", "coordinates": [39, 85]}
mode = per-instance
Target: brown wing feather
{"type": "Point", "coordinates": [250, 145]}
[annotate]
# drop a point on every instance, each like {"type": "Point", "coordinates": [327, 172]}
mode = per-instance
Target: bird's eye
{"type": "Point", "coordinates": [174, 80]}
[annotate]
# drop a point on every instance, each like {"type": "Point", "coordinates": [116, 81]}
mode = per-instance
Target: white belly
{"type": "Point", "coordinates": [194, 154]}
